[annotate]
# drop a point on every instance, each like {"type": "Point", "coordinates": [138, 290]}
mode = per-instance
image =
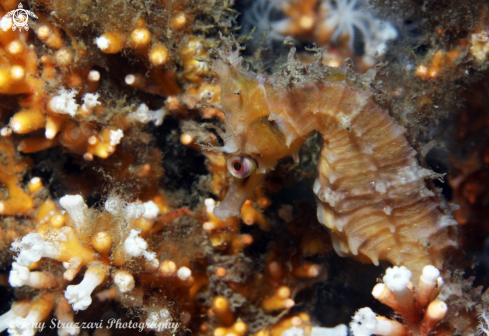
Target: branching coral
{"type": "Point", "coordinates": [421, 312]}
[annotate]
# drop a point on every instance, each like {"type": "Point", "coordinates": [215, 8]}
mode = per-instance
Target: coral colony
{"type": "Point", "coordinates": [252, 167]}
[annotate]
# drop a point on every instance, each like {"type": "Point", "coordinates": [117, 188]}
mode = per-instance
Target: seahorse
{"type": "Point", "coordinates": [371, 190]}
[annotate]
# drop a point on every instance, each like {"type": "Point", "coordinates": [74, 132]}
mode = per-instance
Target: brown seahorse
{"type": "Point", "coordinates": [370, 188]}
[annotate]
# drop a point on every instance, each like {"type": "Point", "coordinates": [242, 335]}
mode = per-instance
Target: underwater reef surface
{"type": "Point", "coordinates": [252, 167]}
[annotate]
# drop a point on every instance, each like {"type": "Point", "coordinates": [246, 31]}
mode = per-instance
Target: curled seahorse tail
{"type": "Point", "coordinates": [371, 189]}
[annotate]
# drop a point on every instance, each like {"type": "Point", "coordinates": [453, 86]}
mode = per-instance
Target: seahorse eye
{"type": "Point", "coordinates": [241, 166]}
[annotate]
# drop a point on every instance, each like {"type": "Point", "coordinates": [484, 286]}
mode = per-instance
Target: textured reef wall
{"type": "Point", "coordinates": [253, 167]}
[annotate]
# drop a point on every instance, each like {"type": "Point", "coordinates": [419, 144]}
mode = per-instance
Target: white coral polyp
{"type": "Point", "coordinates": [144, 115]}
{"type": "Point", "coordinates": [117, 206]}
{"type": "Point", "coordinates": [20, 308]}
{"type": "Point", "coordinates": [113, 204]}
{"type": "Point", "coordinates": [137, 246]}
{"type": "Point", "coordinates": [124, 281]}
{"type": "Point", "coordinates": [27, 326]}
{"type": "Point", "coordinates": [397, 278]}
{"type": "Point", "coordinates": [157, 321]}
{"type": "Point", "coordinates": [79, 296]}
{"type": "Point", "coordinates": [339, 330]}
{"type": "Point", "coordinates": [133, 211]}
{"type": "Point", "coordinates": [116, 137]}
{"type": "Point", "coordinates": [19, 326]}
{"type": "Point", "coordinates": [102, 42]}
{"type": "Point", "coordinates": [430, 275]}
{"type": "Point", "coordinates": [19, 275]}
{"type": "Point", "coordinates": [184, 273]}
{"type": "Point", "coordinates": [76, 207]}
{"type": "Point", "coordinates": [151, 210]}
{"type": "Point", "coordinates": [210, 204]}
{"type": "Point", "coordinates": [32, 248]}
{"type": "Point", "coordinates": [90, 101]}
{"type": "Point", "coordinates": [64, 102]}
{"type": "Point", "coordinates": [366, 323]}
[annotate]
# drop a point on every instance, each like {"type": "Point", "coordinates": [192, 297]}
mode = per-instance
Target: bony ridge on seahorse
{"type": "Point", "coordinates": [371, 190]}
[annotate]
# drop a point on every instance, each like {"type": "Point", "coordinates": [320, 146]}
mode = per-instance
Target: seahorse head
{"type": "Point", "coordinates": [253, 143]}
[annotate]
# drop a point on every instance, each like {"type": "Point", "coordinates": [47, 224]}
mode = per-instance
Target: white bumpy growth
{"type": "Point", "coordinates": [137, 246]}
{"type": "Point", "coordinates": [19, 309]}
{"type": "Point", "coordinates": [124, 281]}
{"type": "Point", "coordinates": [76, 207]}
{"type": "Point", "coordinates": [32, 248]}
{"type": "Point", "coordinates": [184, 273]}
{"type": "Point", "coordinates": [115, 206]}
{"type": "Point", "coordinates": [79, 296]}
{"type": "Point", "coordinates": [366, 323]}
{"type": "Point", "coordinates": [90, 101]}
{"type": "Point", "coordinates": [102, 42]}
{"type": "Point", "coordinates": [19, 326]}
{"type": "Point", "coordinates": [397, 278]}
{"type": "Point", "coordinates": [116, 137]}
{"type": "Point", "coordinates": [64, 102]}
{"type": "Point", "coordinates": [22, 276]}
{"type": "Point", "coordinates": [144, 115]}
{"type": "Point", "coordinates": [151, 210]}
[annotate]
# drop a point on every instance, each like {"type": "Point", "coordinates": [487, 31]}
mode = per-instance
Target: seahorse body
{"type": "Point", "coordinates": [370, 188]}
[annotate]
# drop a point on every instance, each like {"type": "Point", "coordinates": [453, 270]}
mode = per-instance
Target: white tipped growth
{"type": "Point", "coordinates": [76, 207]}
{"type": "Point", "coordinates": [64, 102]}
{"type": "Point", "coordinates": [365, 323]}
{"type": "Point", "coordinates": [130, 79]}
{"type": "Point", "coordinates": [144, 115]}
{"type": "Point", "coordinates": [115, 137]}
{"type": "Point", "coordinates": [21, 276]}
{"type": "Point", "coordinates": [430, 274]}
{"type": "Point", "coordinates": [79, 295]}
{"type": "Point", "coordinates": [94, 76]}
{"type": "Point", "coordinates": [102, 42]}
{"type": "Point", "coordinates": [151, 210]}
{"type": "Point", "coordinates": [124, 281]}
{"type": "Point", "coordinates": [426, 286]}
{"type": "Point", "coordinates": [32, 248]}
{"type": "Point", "coordinates": [339, 330]}
{"type": "Point", "coordinates": [137, 246]}
{"type": "Point", "coordinates": [113, 204]}
{"type": "Point", "coordinates": [90, 101]}
{"type": "Point", "coordinates": [20, 308]}
{"type": "Point", "coordinates": [184, 273]}
{"type": "Point", "coordinates": [134, 211]}
{"type": "Point", "coordinates": [116, 206]}
{"type": "Point", "coordinates": [210, 204]}
{"type": "Point", "coordinates": [38, 310]}
{"type": "Point", "coordinates": [19, 326]}
{"type": "Point", "coordinates": [6, 131]}
{"type": "Point", "coordinates": [158, 321]}
{"type": "Point", "coordinates": [397, 278]}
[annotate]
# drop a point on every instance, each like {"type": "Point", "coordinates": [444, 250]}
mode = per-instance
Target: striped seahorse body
{"type": "Point", "coordinates": [371, 190]}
